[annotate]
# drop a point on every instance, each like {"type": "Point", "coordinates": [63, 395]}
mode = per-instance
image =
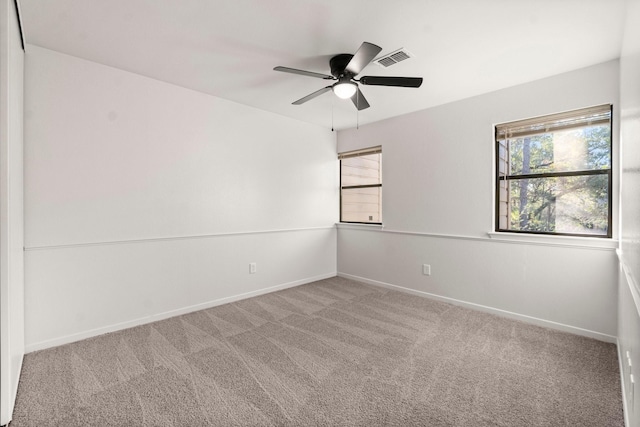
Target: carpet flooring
{"type": "Point", "coordinates": [330, 353]}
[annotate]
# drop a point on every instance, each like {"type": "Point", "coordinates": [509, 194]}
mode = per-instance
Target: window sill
{"type": "Point", "coordinates": [356, 225]}
{"type": "Point", "coordinates": [587, 242]}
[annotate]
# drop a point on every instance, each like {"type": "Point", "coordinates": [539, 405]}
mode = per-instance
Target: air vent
{"type": "Point", "coordinates": [393, 58]}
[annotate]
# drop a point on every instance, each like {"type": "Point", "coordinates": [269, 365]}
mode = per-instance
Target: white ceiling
{"type": "Point", "coordinates": [228, 48]}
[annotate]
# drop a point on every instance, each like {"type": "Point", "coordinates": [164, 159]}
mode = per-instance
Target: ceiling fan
{"type": "Point", "coordinates": [344, 68]}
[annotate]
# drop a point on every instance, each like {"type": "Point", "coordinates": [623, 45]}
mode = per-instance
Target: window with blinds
{"type": "Point", "coordinates": [361, 186]}
{"type": "Point", "coordinates": [553, 174]}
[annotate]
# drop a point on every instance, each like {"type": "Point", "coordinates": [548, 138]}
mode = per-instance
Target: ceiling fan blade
{"type": "Point", "coordinates": [391, 81]}
{"type": "Point", "coordinates": [359, 100]}
{"type": "Point", "coordinates": [365, 54]}
{"type": "Point", "coordinates": [312, 95]}
{"type": "Point", "coordinates": [304, 73]}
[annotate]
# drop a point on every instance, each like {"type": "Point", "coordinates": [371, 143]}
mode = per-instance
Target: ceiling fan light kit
{"type": "Point", "coordinates": [344, 68]}
{"type": "Point", "coordinates": [344, 90]}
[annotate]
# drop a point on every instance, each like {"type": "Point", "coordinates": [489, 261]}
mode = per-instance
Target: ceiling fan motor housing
{"type": "Point", "coordinates": [338, 64]}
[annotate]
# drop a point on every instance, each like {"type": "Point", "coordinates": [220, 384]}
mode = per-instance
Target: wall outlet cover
{"type": "Point", "coordinates": [426, 269]}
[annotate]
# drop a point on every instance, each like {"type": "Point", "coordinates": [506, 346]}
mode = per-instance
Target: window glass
{"type": "Point", "coordinates": [361, 186]}
{"type": "Point", "coordinates": [553, 174]}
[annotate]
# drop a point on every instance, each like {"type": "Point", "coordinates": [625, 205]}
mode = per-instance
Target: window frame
{"type": "Point", "coordinates": [586, 173]}
{"type": "Point", "coordinates": [358, 153]}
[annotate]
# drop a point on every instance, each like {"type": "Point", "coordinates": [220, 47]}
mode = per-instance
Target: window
{"type": "Point", "coordinates": [553, 174]}
{"type": "Point", "coordinates": [361, 186]}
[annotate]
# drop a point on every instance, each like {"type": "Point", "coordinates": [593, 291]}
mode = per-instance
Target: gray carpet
{"type": "Point", "coordinates": [331, 353]}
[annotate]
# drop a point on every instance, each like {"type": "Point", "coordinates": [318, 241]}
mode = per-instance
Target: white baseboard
{"type": "Point", "coordinates": [172, 313]}
{"type": "Point", "coordinates": [511, 315]}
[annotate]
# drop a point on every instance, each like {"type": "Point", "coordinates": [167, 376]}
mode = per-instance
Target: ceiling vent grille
{"type": "Point", "coordinates": [393, 58]}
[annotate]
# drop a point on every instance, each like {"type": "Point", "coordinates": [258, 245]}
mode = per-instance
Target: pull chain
{"type": "Point", "coordinates": [357, 110]}
{"type": "Point", "coordinates": [332, 100]}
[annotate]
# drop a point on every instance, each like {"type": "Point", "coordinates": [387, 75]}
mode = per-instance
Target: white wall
{"type": "Point", "coordinates": [438, 181]}
{"type": "Point", "coordinates": [11, 209]}
{"type": "Point", "coordinates": [630, 140]}
{"type": "Point", "coordinates": [144, 199]}
{"type": "Point", "coordinates": [629, 309]}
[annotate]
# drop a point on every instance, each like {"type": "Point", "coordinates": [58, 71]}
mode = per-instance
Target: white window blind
{"type": "Point", "coordinates": [555, 122]}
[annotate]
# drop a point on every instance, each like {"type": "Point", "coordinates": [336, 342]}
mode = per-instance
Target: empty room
{"type": "Point", "coordinates": [319, 213]}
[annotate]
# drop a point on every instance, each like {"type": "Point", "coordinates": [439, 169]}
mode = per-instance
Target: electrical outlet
{"type": "Point", "coordinates": [252, 268]}
{"type": "Point", "coordinates": [426, 269]}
